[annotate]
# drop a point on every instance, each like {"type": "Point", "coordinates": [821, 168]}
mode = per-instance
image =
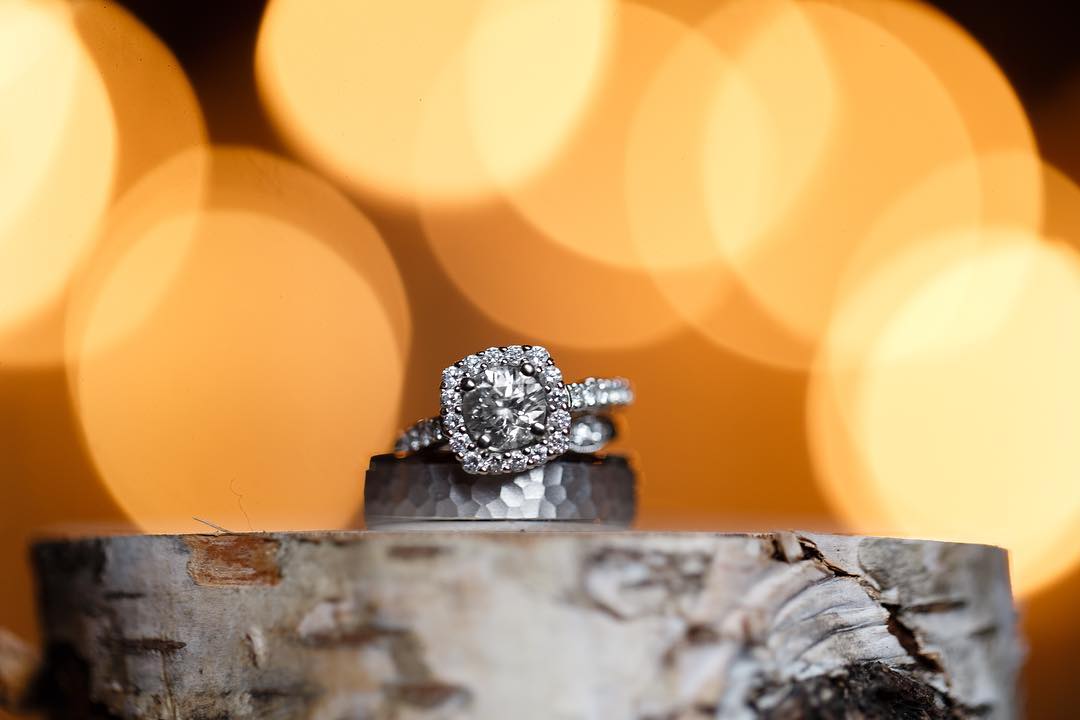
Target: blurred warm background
{"type": "Point", "coordinates": [833, 242]}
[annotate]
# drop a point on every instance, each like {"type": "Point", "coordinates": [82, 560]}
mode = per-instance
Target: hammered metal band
{"type": "Point", "coordinates": [572, 489]}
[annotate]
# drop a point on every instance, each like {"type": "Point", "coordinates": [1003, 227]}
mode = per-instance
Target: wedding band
{"type": "Point", "coordinates": [576, 489]}
{"type": "Point", "coordinates": [507, 410]}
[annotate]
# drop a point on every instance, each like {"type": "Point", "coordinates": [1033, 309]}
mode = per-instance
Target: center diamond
{"type": "Point", "coordinates": [504, 405]}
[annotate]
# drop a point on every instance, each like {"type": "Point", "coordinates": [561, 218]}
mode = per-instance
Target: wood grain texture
{"type": "Point", "coordinates": [526, 625]}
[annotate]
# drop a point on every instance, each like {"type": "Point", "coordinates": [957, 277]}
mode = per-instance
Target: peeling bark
{"type": "Point", "coordinates": [526, 625]}
{"type": "Point", "coordinates": [233, 560]}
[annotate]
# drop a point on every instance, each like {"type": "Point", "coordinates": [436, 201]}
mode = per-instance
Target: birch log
{"type": "Point", "coordinates": [603, 625]}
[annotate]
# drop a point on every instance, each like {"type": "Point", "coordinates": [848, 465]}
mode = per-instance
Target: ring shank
{"type": "Point", "coordinates": [598, 394]}
{"type": "Point", "coordinates": [420, 435]}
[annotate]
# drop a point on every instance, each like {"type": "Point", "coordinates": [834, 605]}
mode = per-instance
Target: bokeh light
{"type": "Point", "coordinates": [993, 113]}
{"type": "Point", "coordinates": [245, 394]}
{"type": "Point", "coordinates": [571, 223]}
{"type": "Point", "coordinates": [894, 125]}
{"type": "Point", "coordinates": [174, 192]}
{"type": "Point", "coordinates": [515, 275]}
{"type": "Point", "coordinates": [478, 89]}
{"type": "Point", "coordinates": [131, 107]}
{"type": "Point", "coordinates": [581, 200]}
{"type": "Point", "coordinates": [956, 421]}
{"type": "Point", "coordinates": [1009, 166]}
{"type": "Point", "coordinates": [58, 144]}
{"type": "Point", "coordinates": [793, 271]}
{"type": "Point", "coordinates": [154, 107]}
{"type": "Point", "coordinates": [732, 126]}
{"type": "Point", "coordinates": [754, 161]}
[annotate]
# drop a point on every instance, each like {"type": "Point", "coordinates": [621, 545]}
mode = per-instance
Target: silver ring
{"type": "Point", "coordinates": [507, 410]}
{"type": "Point", "coordinates": [576, 489]}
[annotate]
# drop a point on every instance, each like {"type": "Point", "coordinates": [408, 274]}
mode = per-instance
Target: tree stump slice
{"type": "Point", "coordinates": [448, 624]}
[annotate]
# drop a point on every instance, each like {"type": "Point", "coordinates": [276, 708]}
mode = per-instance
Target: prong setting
{"type": "Point", "coordinates": [549, 436]}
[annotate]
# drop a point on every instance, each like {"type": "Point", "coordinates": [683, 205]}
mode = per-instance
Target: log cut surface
{"type": "Point", "coordinates": [449, 624]}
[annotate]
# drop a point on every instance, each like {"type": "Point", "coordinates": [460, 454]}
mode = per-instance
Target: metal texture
{"type": "Point", "coordinates": [432, 486]}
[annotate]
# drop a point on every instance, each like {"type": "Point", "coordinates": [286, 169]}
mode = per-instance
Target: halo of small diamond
{"type": "Point", "coordinates": [471, 364]}
{"type": "Point", "coordinates": [493, 357]}
{"type": "Point", "coordinates": [553, 442]}
{"type": "Point", "coordinates": [451, 377]}
{"type": "Point", "coordinates": [560, 420]}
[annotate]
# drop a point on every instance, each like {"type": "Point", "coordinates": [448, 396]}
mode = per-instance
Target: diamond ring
{"type": "Point", "coordinates": [507, 409]}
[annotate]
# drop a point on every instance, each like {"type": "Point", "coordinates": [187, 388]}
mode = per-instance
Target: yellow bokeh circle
{"type": "Point", "coordinates": [58, 140]}
{"type": "Point", "coordinates": [264, 365]}
{"type": "Point", "coordinates": [437, 100]}
{"type": "Point", "coordinates": [96, 101]}
{"type": "Point", "coordinates": [956, 417]}
{"type": "Point", "coordinates": [910, 130]}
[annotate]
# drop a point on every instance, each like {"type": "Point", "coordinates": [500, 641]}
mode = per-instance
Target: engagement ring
{"type": "Point", "coordinates": [507, 410]}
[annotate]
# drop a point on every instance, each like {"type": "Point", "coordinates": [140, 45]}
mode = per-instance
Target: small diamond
{"type": "Point", "coordinates": [453, 420]}
{"type": "Point", "coordinates": [553, 374]}
{"type": "Point", "coordinates": [450, 397]}
{"type": "Point", "coordinates": [561, 420]}
{"type": "Point", "coordinates": [473, 364]}
{"type": "Point", "coordinates": [507, 465]}
{"type": "Point", "coordinates": [590, 433]}
{"type": "Point", "coordinates": [537, 355]}
{"type": "Point", "coordinates": [451, 377]}
{"type": "Point", "coordinates": [577, 399]}
{"type": "Point", "coordinates": [493, 356]}
{"type": "Point", "coordinates": [514, 354]}
{"type": "Point", "coordinates": [588, 396]}
{"type": "Point", "coordinates": [556, 403]}
{"type": "Point", "coordinates": [557, 444]}
{"type": "Point", "coordinates": [471, 462]}
{"type": "Point", "coordinates": [517, 461]}
{"type": "Point", "coordinates": [459, 444]}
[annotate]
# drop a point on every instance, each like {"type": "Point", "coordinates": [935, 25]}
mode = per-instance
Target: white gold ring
{"type": "Point", "coordinates": [507, 409]}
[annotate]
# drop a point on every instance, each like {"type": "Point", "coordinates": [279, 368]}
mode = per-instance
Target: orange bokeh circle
{"type": "Point", "coordinates": [131, 108]}
{"type": "Point", "coordinates": [59, 141]}
{"type": "Point", "coordinates": [263, 363]}
{"type": "Point", "coordinates": [943, 411]}
{"type": "Point", "coordinates": [902, 116]}
{"type": "Point", "coordinates": [439, 101]}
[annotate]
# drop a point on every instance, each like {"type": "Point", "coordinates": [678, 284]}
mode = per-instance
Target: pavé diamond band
{"type": "Point", "coordinates": [507, 409]}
